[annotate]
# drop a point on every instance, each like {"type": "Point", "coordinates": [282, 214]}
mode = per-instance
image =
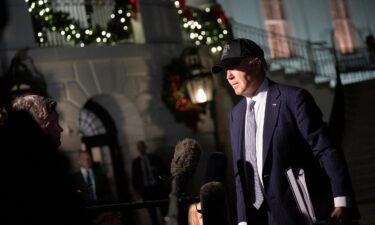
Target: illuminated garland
{"type": "Point", "coordinates": [205, 27]}
{"type": "Point", "coordinates": [47, 19]}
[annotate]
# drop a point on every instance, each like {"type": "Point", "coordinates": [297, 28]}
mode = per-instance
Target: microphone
{"type": "Point", "coordinates": [186, 157]}
{"type": "Point", "coordinates": [183, 165]}
{"type": "Point", "coordinates": [214, 204]}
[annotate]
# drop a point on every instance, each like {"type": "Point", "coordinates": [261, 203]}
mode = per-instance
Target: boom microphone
{"type": "Point", "coordinates": [186, 157]}
{"type": "Point", "coordinates": [214, 204]}
{"type": "Point", "coordinates": [184, 162]}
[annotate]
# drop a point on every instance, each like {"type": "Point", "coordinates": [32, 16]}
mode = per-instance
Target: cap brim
{"type": "Point", "coordinates": [226, 64]}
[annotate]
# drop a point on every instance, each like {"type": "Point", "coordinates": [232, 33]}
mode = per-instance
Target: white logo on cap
{"type": "Point", "coordinates": [225, 51]}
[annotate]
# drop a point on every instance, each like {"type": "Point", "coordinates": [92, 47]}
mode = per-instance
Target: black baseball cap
{"type": "Point", "coordinates": [235, 51]}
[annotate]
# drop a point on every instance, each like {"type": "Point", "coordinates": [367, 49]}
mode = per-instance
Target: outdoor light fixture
{"type": "Point", "coordinates": [200, 88]}
{"type": "Point", "coordinates": [199, 81]}
{"type": "Point", "coordinates": [22, 77]}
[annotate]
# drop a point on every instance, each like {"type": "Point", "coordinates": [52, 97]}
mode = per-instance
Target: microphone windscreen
{"type": "Point", "coordinates": [186, 157]}
{"type": "Point", "coordinates": [214, 204]}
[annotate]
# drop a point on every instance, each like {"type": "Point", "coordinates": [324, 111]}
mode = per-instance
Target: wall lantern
{"type": "Point", "coordinates": [21, 78]}
{"type": "Point", "coordinates": [199, 80]}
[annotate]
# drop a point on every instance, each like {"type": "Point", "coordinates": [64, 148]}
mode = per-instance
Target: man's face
{"type": "Point", "coordinates": [246, 77]}
{"type": "Point", "coordinates": [85, 160]}
{"type": "Point", "coordinates": [53, 128]}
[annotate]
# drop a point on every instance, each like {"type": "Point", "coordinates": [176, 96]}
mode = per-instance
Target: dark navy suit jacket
{"type": "Point", "coordinates": [103, 192]}
{"type": "Point", "coordinates": [294, 136]}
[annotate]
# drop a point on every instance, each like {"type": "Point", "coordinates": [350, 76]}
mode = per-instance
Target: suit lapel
{"type": "Point", "coordinates": [241, 129]}
{"type": "Point", "coordinates": [271, 116]}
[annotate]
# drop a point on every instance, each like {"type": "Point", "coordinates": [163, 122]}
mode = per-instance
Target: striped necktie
{"type": "Point", "coordinates": [250, 147]}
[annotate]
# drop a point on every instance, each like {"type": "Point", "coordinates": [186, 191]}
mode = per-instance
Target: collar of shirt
{"type": "Point", "coordinates": [260, 94]}
{"type": "Point", "coordinates": [84, 171]}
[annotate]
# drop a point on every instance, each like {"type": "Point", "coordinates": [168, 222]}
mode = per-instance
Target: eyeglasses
{"type": "Point", "coordinates": [198, 210]}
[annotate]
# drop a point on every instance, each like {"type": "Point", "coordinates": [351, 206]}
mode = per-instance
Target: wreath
{"type": "Point", "coordinates": [176, 96]}
{"type": "Point", "coordinates": [45, 19]}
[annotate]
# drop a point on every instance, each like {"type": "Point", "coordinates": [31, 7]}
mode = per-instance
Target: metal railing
{"type": "Point", "coordinates": [302, 56]}
{"type": "Point", "coordinates": [296, 54]}
{"type": "Point", "coordinates": [138, 205]}
{"type": "Point", "coordinates": [86, 14]}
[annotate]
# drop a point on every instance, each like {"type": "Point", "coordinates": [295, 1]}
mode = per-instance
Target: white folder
{"type": "Point", "coordinates": [299, 188]}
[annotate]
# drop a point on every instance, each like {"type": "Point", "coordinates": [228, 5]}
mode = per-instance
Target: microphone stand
{"type": "Point", "coordinates": [174, 198]}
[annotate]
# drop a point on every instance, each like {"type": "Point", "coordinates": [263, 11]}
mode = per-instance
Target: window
{"type": "Point", "coordinates": [89, 124]}
{"type": "Point", "coordinates": [341, 26]}
{"type": "Point", "coordinates": [276, 29]}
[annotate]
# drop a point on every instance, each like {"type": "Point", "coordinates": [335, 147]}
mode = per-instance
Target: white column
{"type": "Point", "coordinates": [160, 21]}
{"type": "Point", "coordinates": [18, 32]}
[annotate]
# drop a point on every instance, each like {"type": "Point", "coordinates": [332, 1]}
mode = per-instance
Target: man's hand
{"type": "Point", "coordinates": [339, 216]}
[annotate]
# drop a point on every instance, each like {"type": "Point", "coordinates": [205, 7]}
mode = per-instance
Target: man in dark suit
{"type": "Point", "coordinates": [149, 176]}
{"type": "Point", "coordinates": [273, 128]}
{"type": "Point", "coordinates": [91, 182]}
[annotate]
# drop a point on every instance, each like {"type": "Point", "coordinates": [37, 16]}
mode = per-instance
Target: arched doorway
{"type": "Point", "coordinates": [99, 136]}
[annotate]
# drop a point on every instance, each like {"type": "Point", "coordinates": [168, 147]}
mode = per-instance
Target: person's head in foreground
{"type": "Point", "coordinates": [43, 110]}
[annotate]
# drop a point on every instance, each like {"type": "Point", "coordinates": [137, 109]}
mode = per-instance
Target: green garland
{"type": "Point", "coordinates": [46, 19]}
{"type": "Point", "coordinates": [205, 27]}
{"type": "Point", "coordinates": [208, 27]}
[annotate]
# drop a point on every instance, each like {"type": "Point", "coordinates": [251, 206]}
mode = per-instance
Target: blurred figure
{"type": "Point", "coordinates": [148, 174]}
{"type": "Point", "coordinates": [37, 186]}
{"type": "Point", "coordinates": [93, 186]}
{"type": "Point", "coordinates": [90, 181]}
{"type": "Point", "coordinates": [195, 214]}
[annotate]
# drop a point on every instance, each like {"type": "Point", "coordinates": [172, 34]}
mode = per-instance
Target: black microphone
{"type": "Point", "coordinates": [214, 204]}
{"type": "Point", "coordinates": [183, 165]}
